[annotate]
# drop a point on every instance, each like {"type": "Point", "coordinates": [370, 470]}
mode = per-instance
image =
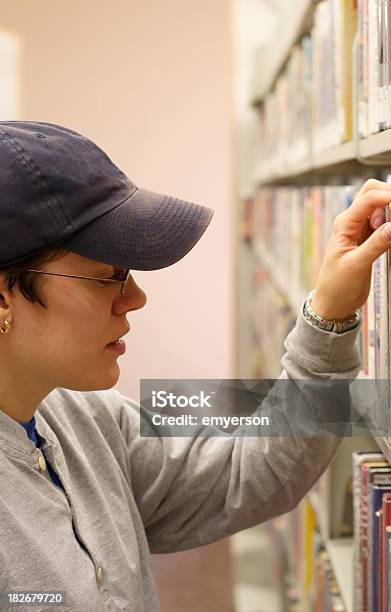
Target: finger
{"type": "Point", "coordinates": [372, 184]}
{"type": "Point", "coordinates": [374, 246]}
{"type": "Point", "coordinates": [377, 219]}
{"type": "Point", "coordinates": [363, 207]}
{"type": "Point", "coordinates": [366, 232]}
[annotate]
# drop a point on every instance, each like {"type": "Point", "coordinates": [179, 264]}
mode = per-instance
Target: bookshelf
{"type": "Point", "coordinates": [341, 555]}
{"type": "Point", "coordinates": [357, 156]}
{"type": "Point", "coordinates": [332, 160]}
{"type": "Point", "coordinates": [299, 23]}
{"type": "Point", "coordinates": [340, 549]}
{"type": "Point", "coordinates": [385, 448]}
{"type": "Point", "coordinates": [278, 278]}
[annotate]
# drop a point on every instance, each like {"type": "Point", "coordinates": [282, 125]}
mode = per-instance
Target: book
{"type": "Point", "coordinates": [381, 281]}
{"type": "Point", "coordinates": [385, 523]}
{"type": "Point", "coordinates": [375, 501]}
{"type": "Point", "coordinates": [310, 109]}
{"type": "Point", "coordinates": [291, 232]}
{"type": "Point", "coordinates": [347, 32]}
{"type": "Point", "coordinates": [327, 593]}
{"type": "Point", "coordinates": [372, 474]}
{"type": "Point", "coordinates": [358, 458]}
{"type": "Point", "coordinates": [387, 602]}
{"type": "Point", "coordinates": [375, 332]}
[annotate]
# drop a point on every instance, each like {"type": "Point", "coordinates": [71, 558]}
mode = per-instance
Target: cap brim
{"type": "Point", "coordinates": [148, 231]}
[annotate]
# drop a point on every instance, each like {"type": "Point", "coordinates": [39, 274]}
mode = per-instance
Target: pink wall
{"type": "Point", "coordinates": [151, 83]}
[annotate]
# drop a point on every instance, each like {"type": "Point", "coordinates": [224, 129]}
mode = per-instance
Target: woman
{"type": "Point", "coordinates": [83, 498]}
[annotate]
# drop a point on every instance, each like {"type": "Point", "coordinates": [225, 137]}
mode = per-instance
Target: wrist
{"type": "Point", "coordinates": [328, 311]}
{"type": "Point", "coordinates": [338, 326]}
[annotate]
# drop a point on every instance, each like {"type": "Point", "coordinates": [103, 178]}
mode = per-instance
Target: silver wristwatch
{"type": "Point", "coordinates": [338, 327]}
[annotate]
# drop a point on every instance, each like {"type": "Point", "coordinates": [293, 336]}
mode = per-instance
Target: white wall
{"type": "Point", "coordinates": [151, 83]}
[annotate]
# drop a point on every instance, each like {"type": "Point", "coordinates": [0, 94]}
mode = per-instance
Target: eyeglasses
{"type": "Point", "coordinates": [123, 281]}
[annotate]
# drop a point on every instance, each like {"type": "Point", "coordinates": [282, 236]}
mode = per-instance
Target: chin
{"type": "Point", "coordinates": [99, 382]}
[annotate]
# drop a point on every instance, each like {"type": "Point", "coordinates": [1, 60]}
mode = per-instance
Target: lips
{"type": "Point", "coordinates": [117, 339]}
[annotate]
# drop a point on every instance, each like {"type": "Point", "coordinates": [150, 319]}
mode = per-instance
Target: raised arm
{"type": "Point", "coordinates": [193, 491]}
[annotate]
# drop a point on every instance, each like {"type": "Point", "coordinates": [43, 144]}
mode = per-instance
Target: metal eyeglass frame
{"type": "Point", "coordinates": [102, 280]}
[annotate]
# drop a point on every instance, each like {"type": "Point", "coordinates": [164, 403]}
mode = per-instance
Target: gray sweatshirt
{"type": "Point", "coordinates": [126, 496]}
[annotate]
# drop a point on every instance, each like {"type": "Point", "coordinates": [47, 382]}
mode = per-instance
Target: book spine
{"type": "Point", "coordinates": [360, 68]}
{"type": "Point", "coordinates": [366, 71]}
{"type": "Point", "coordinates": [364, 338]}
{"type": "Point", "coordinates": [307, 88]}
{"type": "Point", "coordinates": [386, 522]}
{"type": "Point", "coordinates": [358, 459]}
{"type": "Point", "coordinates": [377, 301]}
{"type": "Point", "coordinates": [388, 569]}
{"type": "Point", "coordinates": [371, 328]}
{"type": "Point", "coordinates": [380, 125]}
{"type": "Point", "coordinates": [337, 36]}
{"type": "Point", "coordinates": [373, 94]}
{"type": "Point", "coordinates": [364, 536]}
{"type": "Point", "coordinates": [385, 65]}
{"type": "Point", "coordinates": [385, 315]}
{"type": "Point", "coordinates": [349, 24]}
{"type": "Point", "coordinates": [377, 561]}
{"type": "Point", "coordinates": [375, 505]}
{"type": "Point", "coordinates": [381, 317]}
{"type": "Point", "coordinates": [388, 67]}
{"type": "Point", "coordinates": [373, 476]}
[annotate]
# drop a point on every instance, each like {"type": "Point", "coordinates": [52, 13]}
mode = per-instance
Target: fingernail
{"type": "Point", "coordinates": [377, 222]}
{"type": "Point", "coordinates": [387, 231]}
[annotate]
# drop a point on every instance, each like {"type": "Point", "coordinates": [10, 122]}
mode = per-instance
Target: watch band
{"type": "Point", "coordinates": [337, 327]}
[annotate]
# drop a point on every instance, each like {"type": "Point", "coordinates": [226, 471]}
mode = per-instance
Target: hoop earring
{"type": "Point", "coordinates": [7, 325]}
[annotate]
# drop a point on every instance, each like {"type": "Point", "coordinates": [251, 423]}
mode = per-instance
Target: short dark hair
{"type": "Point", "coordinates": [29, 282]}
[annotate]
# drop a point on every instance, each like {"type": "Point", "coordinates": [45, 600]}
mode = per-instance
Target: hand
{"type": "Point", "coordinates": [344, 278]}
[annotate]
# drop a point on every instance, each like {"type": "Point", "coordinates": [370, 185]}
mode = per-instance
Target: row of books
{"type": "Point", "coordinates": [312, 584]}
{"type": "Point", "coordinates": [285, 116]}
{"type": "Point", "coordinates": [310, 577]}
{"type": "Point", "coordinates": [269, 220]}
{"type": "Point", "coordinates": [374, 66]}
{"type": "Point", "coordinates": [311, 108]}
{"type": "Point", "coordinates": [327, 596]}
{"type": "Point", "coordinates": [289, 228]}
{"type": "Point", "coordinates": [335, 25]}
{"type": "Point", "coordinates": [271, 319]}
{"type": "Point", "coordinates": [374, 338]}
{"type": "Point", "coordinates": [372, 532]}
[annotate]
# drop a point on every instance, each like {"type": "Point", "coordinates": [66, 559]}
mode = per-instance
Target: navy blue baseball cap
{"type": "Point", "coordinates": [59, 189]}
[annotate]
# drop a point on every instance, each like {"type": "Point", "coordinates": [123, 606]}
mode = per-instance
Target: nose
{"type": "Point", "coordinates": [134, 298]}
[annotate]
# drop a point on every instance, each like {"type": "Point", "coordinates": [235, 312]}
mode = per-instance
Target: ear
{"type": "Point", "coordinates": [4, 292]}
